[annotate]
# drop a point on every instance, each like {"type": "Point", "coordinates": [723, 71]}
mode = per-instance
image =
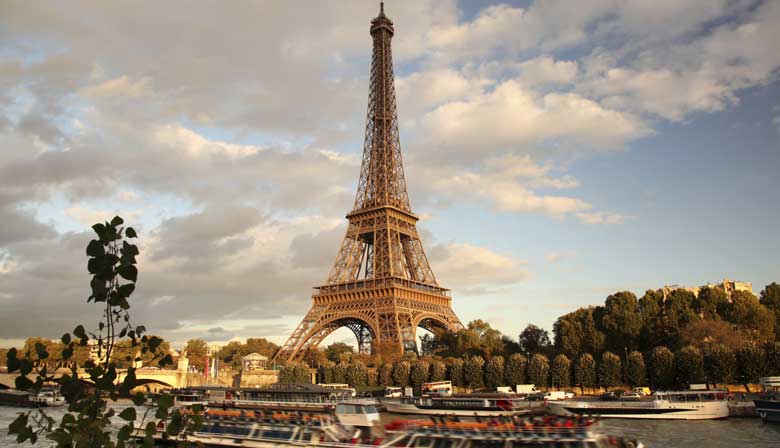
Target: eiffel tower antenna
{"type": "Point", "coordinates": [381, 285]}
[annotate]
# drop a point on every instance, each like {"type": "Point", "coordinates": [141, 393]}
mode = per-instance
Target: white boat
{"type": "Point", "coordinates": [491, 405]}
{"type": "Point", "coordinates": [47, 397]}
{"type": "Point", "coordinates": [672, 405]}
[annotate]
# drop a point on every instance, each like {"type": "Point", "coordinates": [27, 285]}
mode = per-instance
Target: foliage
{"type": "Point", "coordinates": [336, 352]}
{"type": "Point", "coordinates": [325, 372]}
{"type": "Point", "coordinates": [539, 370]}
{"type": "Point", "coordinates": [721, 364]}
{"type": "Point", "coordinates": [585, 371]}
{"type": "Point", "coordinates": [419, 373]}
{"type": "Point", "coordinates": [534, 340]}
{"type": "Point", "coordinates": [356, 374]}
{"type": "Point", "coordinates": [622, 321]}
{"type": "Point", "coordinates": [650, 307]}
{"type": "Point", "coordinates": [661, 367]}
{"type": "Point", "coordinates": [112, 260]}
{"type": "Point", "coordinates": [385, 374]}
{"type": "Point", "coordinates": [473, 372]}
{"type": "Point", "coordinates": [770, 298]}
{"type": "Point", "coordinates": [295, 372]}
{"type": "Point", "coordinates": [751, 362]}
{"type": "Point", "coordinates": [609, 369]}
{"type": "Point", "coordinates": [340, 373]}
{"type": "Point", "coordinates": [494, 372]}
{"type": "Point", "coordinates": [438, 371]}
{"type": "Point", "coordinates": [772, 350]}
{"type": "Point", "coordinates": [456, 373]}
{"type": "Point", "coordinates": [577, 333]}
{"type": "Point", "coordinates": [401, 372]}
{"type": "Point", "coordinates": [708, 333]}
{"type": "Point", "coordinates": [230, 354]}
{"type": "Point", "coordinates": [478, 338]}
{"type": "Point", "coordinates": [515, 369]}
{"type": "Point", "coordinates": [197, 352]}
{"type": "Point", "coordinates": [709, 301]}
{"type": "Point", "coordinates": [677, 312]}
{"type": "Point", "coordinates": [689, 365]}
{"type": "Point", "coordinates": [561, 371]}
{"type": "Point", "coordinates": [749, 314]}
{"type": "Point", "coordinates": [635, 372]}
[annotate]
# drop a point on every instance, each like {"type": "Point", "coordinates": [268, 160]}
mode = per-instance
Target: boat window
{"type": "Point", "coordinates": [707, 397]}
{"type": "Point", "coordinates": [369, 409]}
{"type": "Point", "coordinates": [677, 398]}
{"type": "Point", "coordinates": [693, 397]}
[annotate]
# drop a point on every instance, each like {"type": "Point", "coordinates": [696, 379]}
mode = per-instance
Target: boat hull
{"type": "Point", "coordinates": [411, 409]}
{"type": "Point", "coordinates": [769, 410]}
{"type": "Point", "coordinates": [645, 411]}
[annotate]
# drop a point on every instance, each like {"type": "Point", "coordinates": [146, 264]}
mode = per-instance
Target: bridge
{"type": "Point", "coordinates": [157, 379]}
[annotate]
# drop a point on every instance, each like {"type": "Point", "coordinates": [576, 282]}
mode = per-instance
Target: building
{"type": "Point", "coordinates": [728, 286]}
{"type": "Point", "coordinates": [254, 361]}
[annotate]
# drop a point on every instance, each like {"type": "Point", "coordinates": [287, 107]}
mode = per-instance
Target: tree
{"type": "Point", "coordinates": [635, 369]}
{"type": "Point", "coordinates": [401, 371]}
{"type": "Point", "coordinates": [335, 351]}
{"type": "Point", "coordinates": [585, 371]}
{"type": "Point", "coordinates": [721, 364]}
{"type": "Point", "coordinates": [577, 333]}
{"type": "Point", "coordinates": [295, 372]}
{"type": "Point", "coordinates": [662, 367]}
{"type": "Point", "coordinates": [494, 372]}
{"type": "Point", "coordinates": [473, 372]}
{"type": "Point", "coordinates": [561, 371]}
{"type": "Point", "coordinates": [325, 372]}
{"type": "Point", "coordinates": [456, 373]}
{"type": "Point", "coordinates": [650, 306]}
{"type": "Point", "coordinates": [515, 369]}
{"type": "Point", "coordinates": [340, 373]}
{"type": "Point", "coordinates": [385, 374]}
{"type": "Point", "coordinates": [622, 320]}
{"type": "Point", "coordinates": [438, 371]}
{"type": "Point", "coordinates": [534, 340]}
{"type": "Point", "coordinates": [709, 301]}
{"type": "Point", "coordinates": [751, 362]}
{"type": "Point", "coordinates": [539, 370]}
{"type": "Point", "coordinates": [609, 369]}
{"type": "Point", "coordinates": [749, 314]}
{"type": "Point", "coordinates": [677, 312]}
{"type": "Point", "coordinates": [356, 374]}
{"type": "Point", "coordinates": [197, 352]}
{"type": "Point", "coordinates": [707, 333]}
{"type": "Point", "coordinates": [772, 350]}
{"type": "Point", "coordinates": [419, 374]}
{"type": "Point", "coordinates": [770, 298]}
{"type": "Point", "coordinates": [88, 418]}
{"type": "Point", "coordinates": [689, 364]}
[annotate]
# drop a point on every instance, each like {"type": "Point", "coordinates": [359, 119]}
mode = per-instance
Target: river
{"type": "Point", "coordinates": [735, 432]}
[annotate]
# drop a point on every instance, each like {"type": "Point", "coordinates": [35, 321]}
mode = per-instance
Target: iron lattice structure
{"type": "Point", "coordinates": [381, 285]}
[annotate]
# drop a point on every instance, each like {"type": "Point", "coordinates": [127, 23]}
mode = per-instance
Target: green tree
{"type": "Point", "coordinates": [650, 307]}
{"type": "Point", "coordinates": [356, 374]}
{"type": "Point", "coordinates": [772, 350]}
{"type": "Point", "coordinates": [662, 367]}
{"type": "Point", "coordinates": [494, 372]}
{"type": "Point", "coordinates": [585, 371]}
{"type": "Point", "coordinates": [197, 352]}
{"type": "Point", "coordinates": [515, 369]}
{"type": "Point", "coordinates": [561, 371]}
{"type": "Point", "coordinates": [609, 369]}
{"type": "Point", "coordinates": [635, 372]}
{"type": "Point", "coordinates": [295, 372]}
{"type": "Point", "coordinates": [752, 363]}
{"type": "Point", "coordinates": [721, 364]}
{"type": "Point", "coordinates": [534, 340]}
{"type": "Point", "coordinates": [622, 320]}
{"type": "Point", "coordinates": [334, 352]}
{"type": "Point", "coordinates": [401, 371]}
{"type": "Point", "coordinates": [689, 365]}
{"type": "Point", "coordinates": [420, 372]}
{"type": "Point", "coordinates": [456, 373]}
{"type": "Point", "coordinates": [770, 298]}
{"type": "Point", "coordinates": [340, 373]}
{"type": "Point", "coordinates": [474, 372]}
{"type": "Point", "coordinates": [677, 312]}
{"type": "Point", "coordinates": [325, 372]}
{"type": "Point", "coordinates": [749, 314]}
{"type": "Point", "coordinates": [385, 374]}
{"type": "Point", "coordinates": [88, 419]}
{"type": "Point", "coordinates": [577, 333]}
{"type": "Point", "coordinates": [438, 371]}
{"type": "Point", "coordinates": [709, 301]}
{"type": "Point", "coordinates": [539, 370]}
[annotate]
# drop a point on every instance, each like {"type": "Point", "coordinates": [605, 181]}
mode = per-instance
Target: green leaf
{"type": "Point", "coordinates": [65, 338]}
{"type": "Point", "coordinates": [130, 233]}
{"type": "Point", "coordinates": [95, 249]}
{"type": "Point", "coordinates": [124, 432]}
{"type": "Point", "coordinates": [23, 383]}
{"type": "Point", "coordinates": [128, 414]}
{"type": "Point", "coordinates": [154, 342]}
{"type": "Point", "coordinates": [25, 366]}
{"type": "Point", "coordinates": [128, 272]}
{"type": "Point", "coordinates": [126, 290]}
{"type": "Point", "coordinates": [167, 360]}
{"type": "Point", "coordinates": [41, 351]}
{"type": "Point", "coordinates": [100, 230]}
{"type": "Point", "coordinates": [18, 425]}
{"type": "Point", "coordinates": [67, 352]}
{"type": "Point", "coordinates": [79, 332]}
{"type": "Point", "coordinates": [11, 362]}
{"type": "Point", "coordinates": [117, 221]}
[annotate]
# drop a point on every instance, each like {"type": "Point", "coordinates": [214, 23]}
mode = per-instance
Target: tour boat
{"type": "Point", "coordinates": [486, 405]}
{"type": "Point", "coordinates": [672, 405]}
{"type": "Point", "coordinates": [768, 406]}
{"type": "Point", "coordinates": [47, 397]}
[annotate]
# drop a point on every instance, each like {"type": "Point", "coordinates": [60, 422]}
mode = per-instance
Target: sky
{"type": "Point", "coordinates": [555, 154]}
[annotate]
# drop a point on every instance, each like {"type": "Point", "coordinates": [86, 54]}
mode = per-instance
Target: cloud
{"type": "Point", "coordinates": [558, 257]}
{"type": "Point", "coordinates": [600, 217]}
{"type": "Point", "coordinates": [473, 270]}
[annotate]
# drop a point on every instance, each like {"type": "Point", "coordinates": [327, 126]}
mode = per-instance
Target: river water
{"type": "Point", "coordinates": [735, 432]}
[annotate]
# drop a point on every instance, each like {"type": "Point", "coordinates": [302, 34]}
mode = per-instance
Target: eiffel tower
{"type": "Point", "coordinates": [381, 286]}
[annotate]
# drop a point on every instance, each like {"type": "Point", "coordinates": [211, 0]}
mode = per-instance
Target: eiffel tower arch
{"type": "Point", "coordinates": [381, 285]}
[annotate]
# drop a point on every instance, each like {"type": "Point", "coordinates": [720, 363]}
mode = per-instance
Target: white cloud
{"type": "Point", "coordinates": [558, 257]}
{"type": "Point", "coordinates": [468, 269]}
{"type": "Point", "coordinates": [120, 87]}
{"type": "Point", "coordinates": [600, 217]}
{"type": "Point", "coordinates": [546, 70]}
